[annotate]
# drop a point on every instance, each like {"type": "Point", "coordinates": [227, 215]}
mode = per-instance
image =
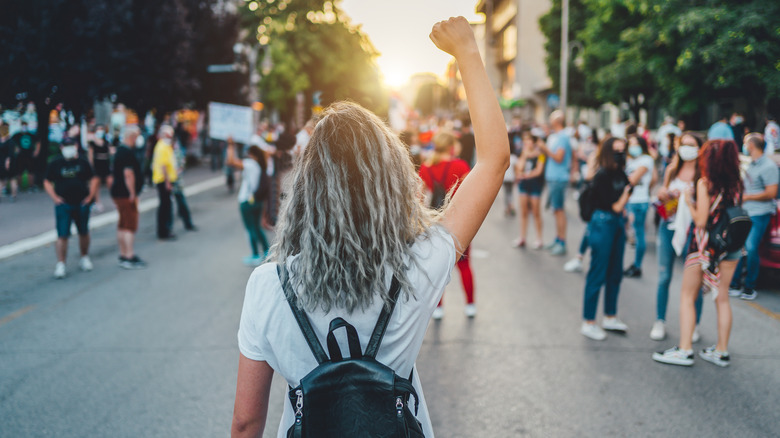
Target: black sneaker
{"type": "Point", "coordinates": [137, 262]}
{"type": "Point", "coordinates": [748, 294]}
{"type": "Point", "coordinates": [632, 272]}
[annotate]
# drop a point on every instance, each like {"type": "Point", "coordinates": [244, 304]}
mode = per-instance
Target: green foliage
{"type": "Point", "coordinates": [679, 54]}
{"type": "Point", "coordinates": [313, 48]}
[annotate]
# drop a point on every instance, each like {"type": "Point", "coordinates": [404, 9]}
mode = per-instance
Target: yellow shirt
{"type": "Point", "coordinates": [163, 158]}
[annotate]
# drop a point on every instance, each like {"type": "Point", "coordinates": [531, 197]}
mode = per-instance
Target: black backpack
{"type": "Point", "coordinates": [263, 191]}
{"type": "Point", "coordinates": [439, 192]}
{"type": "Point", "coordinates": [729, 229]}
{"type": "Point", "coordinates": [585, 201]}
{"type": "Point", "coordinates": [350, 397]}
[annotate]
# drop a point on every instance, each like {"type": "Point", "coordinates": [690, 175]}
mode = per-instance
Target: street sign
{"type": "Point", "coordinates": [227, 120]}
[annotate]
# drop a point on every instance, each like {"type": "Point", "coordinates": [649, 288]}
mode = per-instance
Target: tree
{"type": "Point", "coordinates": [313, 48]}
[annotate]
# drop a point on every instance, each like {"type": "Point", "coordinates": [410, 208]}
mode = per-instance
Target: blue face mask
{"type": "Point", "coordinates": [745, 149]}
{"type": "Point", "coordinates": [635, 150]}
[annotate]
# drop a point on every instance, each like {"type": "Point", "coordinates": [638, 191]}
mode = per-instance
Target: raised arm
{"type": "Point", "coordinates": [230, 158]}
{"type": "Point", "coordinates": [472, 201]}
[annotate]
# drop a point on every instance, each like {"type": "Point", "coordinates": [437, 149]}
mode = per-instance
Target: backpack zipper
{"type": "Point", "coordinates": [299, 406]}
{"type": "Point", "coordinates": [399, 406]}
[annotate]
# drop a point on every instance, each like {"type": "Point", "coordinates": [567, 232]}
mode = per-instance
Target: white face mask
{"type": "Point", "coordinates": [70, 152]}
{"type": "Point", "coordinates": [688, 153]}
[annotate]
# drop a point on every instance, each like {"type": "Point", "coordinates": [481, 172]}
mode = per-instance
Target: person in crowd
{"type": "Point", "coordinates": [557, 171]}
{"type": "Point", "coordinates": [509, 182]}
{"type": "Point", "coordinates": [641, 173]}
{"type": "Point", "coordinates": [27, 151]}
{"type": "Point", "coordinates": [7, 165]}
{"type": "Point", "coordinates": [466, 141]}
{"type": "Point", "coordinates": [718, 187]}
{"type": "Point", "coordinates": [441, 168]}
{"type": "Point", "coordinates": [679, 178]}
{"type": "Point", "coordinates": [737, 124]}
{"type": "Point", "coordinates": [71, 184]}
{"type": "Point", "coordinates": [409, 139]}
{"type": "Point", "coordinates": [772, 135]}
{"type": "Point", "coordinates": [665, 147]}
{"type": "Point", "coordinates": [252, 168]}
{"type": "Point", "coordinates": [720, 130]}
{"type": "Point", "coordinates": [302, 137]}
{"type": "Point", "coordinates": [355, 180]}
{"type": "Point", "coordinates": [163, 176]}
{"type": "Point", "coordinates": [100, 159]}
{"type": "Point", "coordinates": [127, 183]}
{"type": "Point", "coordinates": [182, 208]}
{"type": "Point", "coordinates": [529, 173]}
{"type": "Point", "coordinates": [587, 171]}
{"type": "Point", "coordinates": [607, 239]}
{"type": "Point", "coordinates": [760, 182]}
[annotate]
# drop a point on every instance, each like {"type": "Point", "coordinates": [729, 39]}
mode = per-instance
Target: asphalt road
{"type": "Point", "coordinates": [153, 353]}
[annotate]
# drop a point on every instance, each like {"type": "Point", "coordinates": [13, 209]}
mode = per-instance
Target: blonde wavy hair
{"type": "Point", "coordinates": [355, 209]}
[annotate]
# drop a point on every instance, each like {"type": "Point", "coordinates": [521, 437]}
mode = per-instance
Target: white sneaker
{"type": "Point", "coordinates": [59, 270]}
{"type": "Point", "coordinates": [85, 264]}
{"type": "Point", "coordinates": [674, 356]}
{"type": "Point", "coordinates": [614, 324]}
{"type": "Point", "coordinates": [658, 332]}
{"type": "Point", "coordinates": [735, 292]}
{"type": "Point", "coordinates": [573, 265]}
{"type": "Point", "coordinates": [719, 358]}
{"type": "Point", "coordinates": [593, 331]}
{"type": "Point", "coordinates": [438, 313]}
{"type": "Point", "coordinates": [696, 336]}
{"type": "Point", "coordinates": [470, 310]}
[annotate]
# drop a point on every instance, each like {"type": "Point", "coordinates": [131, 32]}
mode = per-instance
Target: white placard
{"type": "Point", "coordinates": [230, 120]}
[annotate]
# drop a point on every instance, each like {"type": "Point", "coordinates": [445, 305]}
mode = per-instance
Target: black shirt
{"type": "Point", "coordinates": [608, 186]}
{"type": "Point", "coordinates": [70, 178]}
{"type": "Point", "coordinates": [467, 146]}
{"type": "Point", "coordinates": [125, 159]}
{"type": "Point", "coordinates": [25, 142]}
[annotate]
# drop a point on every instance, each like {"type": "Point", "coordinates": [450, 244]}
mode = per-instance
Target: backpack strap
{"type": "Point", "coordinates": [384, 318]}
{"type": "Point", "coordinates": [300, 317]}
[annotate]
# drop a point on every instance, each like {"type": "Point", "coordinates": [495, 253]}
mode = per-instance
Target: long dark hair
{"type": "Point", "coordinates": [258, 155]}
{"type": "Point", "coordinates": [605, 156]}
{"type": "Point", "coordinates": [719, 163]}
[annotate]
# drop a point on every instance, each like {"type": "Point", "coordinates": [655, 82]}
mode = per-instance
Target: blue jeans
{"type": "Point", "coordinates": [584, 242]}
{"type": "Point", "coordinates": [607, 238]}
{"type": "Point", "coordinates": [639, 210]}
{"type": "Point", "coordinates": [251, 215]}
{"type": "Point", "coordinates": [666, 258]}
{"type": "Point", "coordinates": [750, 263]}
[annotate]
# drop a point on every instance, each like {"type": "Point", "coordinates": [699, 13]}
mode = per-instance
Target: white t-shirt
{"type": "Point", "coordinates": [301, 141]}
{"type": "Point", "coordinates": [268, 331]}
{"type": "Point", "coordinates": [641, 191]}
{"type": "Point", "coordinates": [772, 137]}
{"type": "Point", "coordinates": [250, 178]}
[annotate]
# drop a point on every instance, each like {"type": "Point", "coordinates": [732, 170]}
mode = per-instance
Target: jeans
{"type": "Point", "coordinates": [666, 258]}
{"type": "Point", "coordinates": [164, 212]}
{"type": "Point", "coordinates": [584, 242]}
{"type": "Point", "coordinates": [750, 263]}
{"type": "Point", "coordinates": [66, 214]}
{"type": "Point", "coordinates": [607, 238]}
{"type": "Point", "coordinates": [639, 210]}
{"type": "Point", "coordinates": [250, 215]}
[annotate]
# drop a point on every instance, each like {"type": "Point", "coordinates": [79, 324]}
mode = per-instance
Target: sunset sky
{"type": "Point", "coordinates": [399, 30]}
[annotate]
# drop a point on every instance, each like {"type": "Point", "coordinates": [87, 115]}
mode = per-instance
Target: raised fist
{"type": "Point", "coordinates": [454, 36]}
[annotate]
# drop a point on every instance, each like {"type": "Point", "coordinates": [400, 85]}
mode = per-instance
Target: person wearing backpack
{"type": "Point", "coordinates": [607, 238]}
{"type": "Point", "coordinates": [760, 180]}
{"type": "Point", "coordinates": [252, 197]}
{"type": "Point", "coordinates": [353, 221]}
{"type": "Point", "coordinates": [718, 187]}
{"type": "Point", "coordinates": [442, 173]}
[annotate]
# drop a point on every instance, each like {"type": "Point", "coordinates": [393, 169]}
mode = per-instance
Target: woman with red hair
{"type": "Point", "coordinates": [718, 186]}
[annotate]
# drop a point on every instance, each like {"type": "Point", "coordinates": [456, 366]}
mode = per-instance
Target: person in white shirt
{"type": "Point", "coordinates": [641, 173]}
{"type": "Point", "coordinates": [662, 135]}
{"type": "Point", "coordinates": [353, 222]}
{"type": "Point", "coordinates": [771, 136]}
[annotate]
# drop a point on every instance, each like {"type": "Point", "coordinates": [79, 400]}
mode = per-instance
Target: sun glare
{"type": "Point", "coordinates": [394, 78]}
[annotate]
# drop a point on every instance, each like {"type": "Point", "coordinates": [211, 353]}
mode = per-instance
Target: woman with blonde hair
{"type": "Point", "coordinates": [442, 174]}
{"type": "Point", "coordinates": [354, 220]}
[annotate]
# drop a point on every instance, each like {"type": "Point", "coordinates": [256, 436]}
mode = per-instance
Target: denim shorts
{"type": "Point", "coordinates": [67, 214]}
{"type": "Point", "coordinates": [556, 194]}
{"type": "Point", "coordinates": [531, 188]}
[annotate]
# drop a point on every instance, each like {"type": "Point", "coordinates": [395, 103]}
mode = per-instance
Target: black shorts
{"type": "Point", "coordinates": [25, 162]}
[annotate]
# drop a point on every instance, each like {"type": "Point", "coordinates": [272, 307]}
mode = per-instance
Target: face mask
{"type": "Point", "coordinates": [100, 133]}
{"type": "Point", "coordinates": [635, 150]}
{"type": "Point", "coordinates": [69, 152]}
{"type": "Point", "coordinates": [738, 120]}
{"type": "Point", "coordinates": [620, 158]}
{"type": "Point", "coordinates": [688, 153]}
{"type": "Point", "coordinates": [139, 142]}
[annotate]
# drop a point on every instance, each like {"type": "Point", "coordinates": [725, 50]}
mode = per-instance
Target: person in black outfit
{"type": "Point", "coordinates": [7, 164]}
{"type": "Point", "coordinates": [27, 151]}
{"type": "Point", "coordinates": [607, 238]}
{"type": "Point", "coordinates": [127, 185]}
{"type": "Point", "coordinates": [100, 159]}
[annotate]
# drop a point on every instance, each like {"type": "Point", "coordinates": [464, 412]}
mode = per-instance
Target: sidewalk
{"type": "Point", "coordinates": [33, 213]}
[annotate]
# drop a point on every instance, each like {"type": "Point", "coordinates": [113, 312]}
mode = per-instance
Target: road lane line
{"type": "Point", "coordinates": [16, 314]}
{"type": "Point", "coordinates": [764, 310]}
{"type": "Point", "coordinates": [43, 239]}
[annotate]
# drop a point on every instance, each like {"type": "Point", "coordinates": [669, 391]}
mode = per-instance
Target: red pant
{"type": "Point", "coordinates": [465, 276]}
